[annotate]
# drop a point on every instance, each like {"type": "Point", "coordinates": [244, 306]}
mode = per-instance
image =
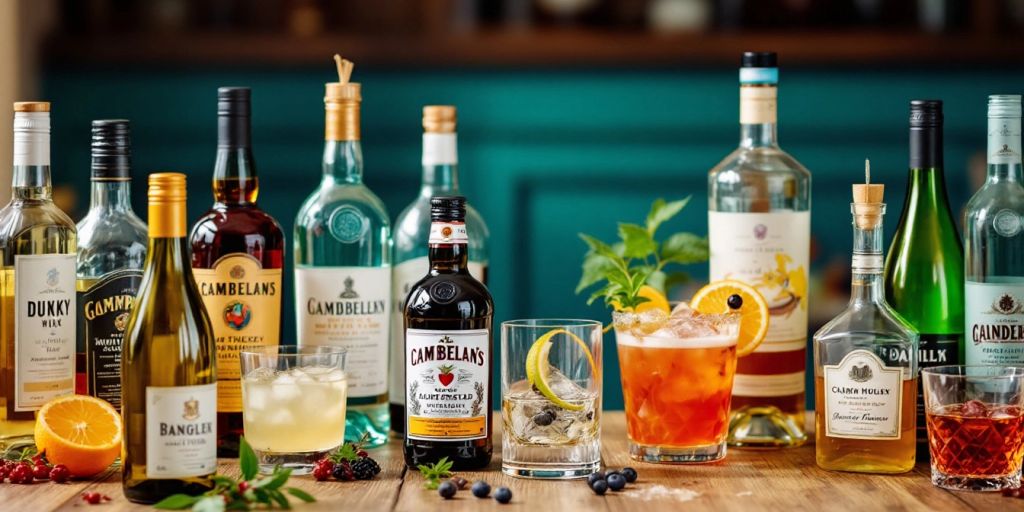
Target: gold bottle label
{"type": "Point", "coordinates": [243, 300]}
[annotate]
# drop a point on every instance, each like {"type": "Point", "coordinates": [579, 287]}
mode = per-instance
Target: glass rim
{"type": "Point", "coordinates": [959, 370]}
{"type": "Point", "coordinates": [552, 322]}
{"type": "Point", "coordinates": [295, 350]}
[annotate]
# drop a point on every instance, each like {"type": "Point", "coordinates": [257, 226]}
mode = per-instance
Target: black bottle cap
{"type": "Point", "coordinates": [111, 149]}
{"type": "Point", "coordinates": [233, 112]}
{"type": "Point", "coordinates": [448, 208]}
{"type": "Point", "coordinates": [925, 113]}
{"type": "Point", "coordinates": [759, 60]}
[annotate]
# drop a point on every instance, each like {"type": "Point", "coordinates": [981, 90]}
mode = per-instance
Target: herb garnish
{"type": "Point", "coordinates": [436, 472]}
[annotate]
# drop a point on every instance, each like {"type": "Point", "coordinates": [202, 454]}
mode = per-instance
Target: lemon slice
{"type": "Point", "coordinates": [713, 299]}
{"type": "Point", "coordinates": [538, 367]}
{"type": "Point", "coordinates": [655, 300]}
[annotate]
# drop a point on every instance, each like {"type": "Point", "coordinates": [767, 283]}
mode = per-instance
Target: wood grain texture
{"type": "Point", "coordinates": [784, 481]}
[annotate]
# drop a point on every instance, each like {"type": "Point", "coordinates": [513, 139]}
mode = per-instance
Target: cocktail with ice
{"type": "Point", "coordinates": [293, 404]}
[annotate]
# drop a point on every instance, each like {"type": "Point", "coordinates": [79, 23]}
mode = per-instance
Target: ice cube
{"type": "Point", "coordinates": [302, 376]}
{"type": "Point", "coordinates": [256, 396]}
{"type": "Point", "coordinates": [285, 387]}
{"type": "Point", "coordinates": [261, 374]}
{"type": "Point", "coordinates": [280, 416]}
{"type": "Point", "coordinates": [682, 309]}
{"type": "Point", "coordinates": [974, 409]}
{"type": "Point", "coordinates": [563, 387]}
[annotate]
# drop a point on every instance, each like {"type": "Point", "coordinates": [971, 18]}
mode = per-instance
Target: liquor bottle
{"type": "Point", "coordinates": [169, 366]}
{"type": "Point", "coordinates": [865, 363]}
{"type": "Point", "coordinates": [994, 236]}
{"type": "Point", "coordinates": [759, 226]}
{"type": "Point", "coordinates": [924, 268]}
{"type": "Point", "coordinates": [37, 281]}
{"type": "Point", "coordinates": [237, 257]}
{"type": "Point", "coordinates": [343, 266]}
{"type": "Point", "coordinates": [448, 331]}
{"type": "Point", "coordinates": [412, 231]}
{"type": "Point", "coordinates": [111, 251]}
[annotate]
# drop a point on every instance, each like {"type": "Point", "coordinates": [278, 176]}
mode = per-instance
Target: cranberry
{"type": "Point", "coordinates": [92, 498]}
{"type": "Point", "coordinates": [322, 469]}
{"type": "Point", "coordinates": [242, 486]}
{"type": "Point", "coordinates": [41, 471]}
{"type": "Point", "coordinates": [362, 454]}
{"type": "Point", "coordinates": [60, 474]}
{"type": "Point", "coordinates": [21, 474]}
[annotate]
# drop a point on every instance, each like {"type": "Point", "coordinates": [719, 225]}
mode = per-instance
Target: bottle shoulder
{"type": "Point", "coordinates": [992, 198]}
{"type": "Point", "coordinates": [876, 320]}
{"type": "Point", "coordinates": [327, 200]}
{"type": "Point", "coordinates": [237, 222]}
{"type": "Point", "coordinates": [759, 160]}
{"type": "Point", "coordinates": [18, 218]}
{"type": "Point", "coordinates": [449, 296]}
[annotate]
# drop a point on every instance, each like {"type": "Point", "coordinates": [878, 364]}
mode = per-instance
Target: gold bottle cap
{"type": "Point", "coordinates": [867, 201]}
{"type": "Point", "coordinates": [439, 119]}
{"type": "Point", "coordinates": [167, 195]}
{"type": "Point", "coordinates": [31, 106]}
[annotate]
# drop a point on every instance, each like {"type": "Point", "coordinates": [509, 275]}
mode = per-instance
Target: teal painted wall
{"type": "Point", "coordinates": [543, 154]}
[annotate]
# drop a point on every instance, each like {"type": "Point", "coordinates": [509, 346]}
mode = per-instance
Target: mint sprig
{"type": "Point", "coordinates": [436, 472]}
{"type": "Point", "coordinates": [639, 258]}
{"type": "Point", "coordinates": [228, 493]}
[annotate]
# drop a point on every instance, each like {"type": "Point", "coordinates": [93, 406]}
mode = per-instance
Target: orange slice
{"type": "Point", "coordinates": [655, 300]}
{"type": "Point", "coordinates": [713, 300]}
{"type": "Point", "coordinates": [82, 432]}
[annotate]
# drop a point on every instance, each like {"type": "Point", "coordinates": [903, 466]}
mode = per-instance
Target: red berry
{"type": "Point", "coordinates": [322, 469]}
{"type": "Point", "coordinates": [242, 486]}
{"type": "Point", "coordinates": [362, 454]}
{"type": "Point", "coordinates": [41, 472]}
{"type": "Point", "coordinates": [21, 474]}
{"type": "Point", "coordinates": [60, 474]}
{"type": "Point", "coordinates": [92, 498]}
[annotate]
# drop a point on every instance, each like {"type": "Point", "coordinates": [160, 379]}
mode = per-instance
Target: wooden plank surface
{"type": "Point", "coordinates": [785, 480]}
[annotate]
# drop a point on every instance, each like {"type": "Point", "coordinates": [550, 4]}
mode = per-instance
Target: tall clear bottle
{"type": "Point", "coordinates": [111, 251]}
{"type": "Point", "coordinates": [343, 265]}
{"type": "Point", "coordinates": [412, 231]}
{"type": "Point", "coordinates": [994, 234]}
{"type": "Point", "coordinates": [759, 230]}
{"type": "Point", "coordinates": [924, 269]}
{"type": "Point", "coordinates": [37, 282]}
{"type": "Point", "coordinates": [169, 364]}
{"type": "Point", "coordinates": [865, 363]}
{"type": "Point", "coordinates": [237, 257]}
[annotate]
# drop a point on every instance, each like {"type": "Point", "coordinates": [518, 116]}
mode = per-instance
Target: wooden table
{"type": "Point", "coordinates": [784, 480]}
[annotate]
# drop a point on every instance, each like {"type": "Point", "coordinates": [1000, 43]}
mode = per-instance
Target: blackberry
{"type": "Point", "coordinates": [365, 469]}
{"type": "Point", "coordinates": [343, 471]}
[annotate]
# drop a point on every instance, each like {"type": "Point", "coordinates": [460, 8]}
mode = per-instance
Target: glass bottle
{"type": "Point", "coordinates": [343, 266]}
{"type": "Point", "coordinates": [994, 234]}
{"type": "Point", "coordinates": [759, 232]}
{"type": "Point", "coordinates": [237, 257]}
{"type": "Point", "coordinates": [37, 282]}
{"type": "Point", "coordinates": [865, 363]}
{"type": "Point", "coordinates": [412, 230]}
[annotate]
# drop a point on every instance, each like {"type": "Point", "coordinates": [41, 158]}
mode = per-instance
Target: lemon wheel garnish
{"type": "Point", "coordinates": [713, 300]}
{"type": "Point", "coordinates": [538, 367]}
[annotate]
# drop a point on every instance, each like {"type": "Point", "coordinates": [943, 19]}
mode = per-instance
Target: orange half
{"type": "Point", "coordinates": [82, 432]}
{"type": "Point", "coordinates": [713, 300]}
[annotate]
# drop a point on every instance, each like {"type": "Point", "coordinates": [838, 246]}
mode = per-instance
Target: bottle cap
{"type": "Point", "coordinates": [759, 60]}
{"type": "Point", "coordinates": [1004, 106]}
{"type": "Point", "coordinates": [167, 205]}
{"type": "Point", "coordinates": [111, 150]}
{"type": "Point", "coordinates": [759, 68]}
{"type": "Point", "coordinates": [439, 119]}
{"type": "Point", "coordinates": [448, 208]}
{"type": "Point", "coordinates": [32, 106]}
{"type": "Point", "coordinates": [341, 103]}
{"type": "Point", "coordinates": [868, 207]}
{"type": "Point", "coordinates": [234, 108]}
{"type": "Point", "coordinates": [925, 113]}
{"type": "Point", "coordinates": [233, 101]}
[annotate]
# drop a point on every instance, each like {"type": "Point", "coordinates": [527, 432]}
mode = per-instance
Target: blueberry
{"type": "Point", "coordinates": [630, 474]}
{"type": "Point", "coordinates": [600, 487]}
{"type": "Point", "coordinates": [503, 495]}
{"type": "Point", "coordinates": [481, 489]}
{"type": "Point", "coordinates": [543, 418]}
{"type": "Point", "coordinates": [616, 482]}
{"type": "Point", "coordinates": [613, 472]}
{"type": "Point", "coordinates": [447, 490]}
{"type": "Point", "coordinates": [594, 477]}
{"type": "Point", "coordinates": [734, 301]}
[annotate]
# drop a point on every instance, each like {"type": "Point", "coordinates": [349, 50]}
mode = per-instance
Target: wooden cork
{"type": "Point", "coordinates": [341, 103]}
{"type": "Point", "coordinates": [867, 201]}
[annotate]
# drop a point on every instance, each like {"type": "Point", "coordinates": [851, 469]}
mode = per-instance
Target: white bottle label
{"type": "Point", "coordinates": [995, 323]}
{"type": "Point", "coordinates": [1004, 144]}
{"type": "Point", "coordinates": [439, 149]}
{"type": "Point", "coordinates": [448, 233]}
{"type": "Point", "coordinates": [771, 252]}
{"type": "Point", "coordinates": [405, 276]}
{"type": "Point", "coordinates": [448, 382]}
{"type": "Point", "coordinates": [348, 307]}
{"type": "Point", "coordinates": [863, 398]}
{"type": "Point", "coordinates": [181, 431]}
{"type": "Point", "coordinates": [44, 328]}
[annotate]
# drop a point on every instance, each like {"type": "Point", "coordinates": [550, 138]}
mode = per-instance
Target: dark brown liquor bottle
{"type": "Point", "coordinates": [237, 256]}
{"type": "Point", "coordinates": [448, 333]}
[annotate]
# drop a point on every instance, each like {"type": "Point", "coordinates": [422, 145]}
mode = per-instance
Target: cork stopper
{"type": "Point", "coordinates": [439, 119]}
{"type": "Point", "coordinates": [342, 104]}
{"type": "Point", "coordinates": [343, 89]}
{"type": "Point", "coordinates": [867, 201]}
{"type": "Point", "coordinates": [32, 106]}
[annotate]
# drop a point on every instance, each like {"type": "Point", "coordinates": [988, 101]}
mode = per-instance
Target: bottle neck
{"type": "Point", "coordinates": [758, 116]}
{"type": "Point", "coordinates": [926, 147]}
{"type": "Point", "coordinates": [758, 135]}
{"type": "Point", "coordinates": [343, 162]}
{"type": "Point", "coordinates": [31, 183]}
{"type": "Point", "coordinates": [169, 257]}
{"type": "Point", "coordinates": [234, 176]}
{"type": "Point", "coordinates": [111, 195]}
{"type": "Point", "coordinates": [449, 247]}
{"type": "Point", "coordinates": [867, 286]}
{"type": "Point", "coordinates": [31, 176]}
{"type": "Point", "coordinates": [1004, 149]}
{"type": "Point", "coordinates": [440, 165]}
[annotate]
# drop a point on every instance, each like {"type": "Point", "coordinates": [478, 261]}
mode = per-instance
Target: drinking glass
{"type": "Point", "coordinates": [975, 417]}
{"type": "Point", "coordinates": [677, 375]}
{"type": "Point", "coordinates": [293, 404]}
{"type": "Point", "coordinates": [551, 398]}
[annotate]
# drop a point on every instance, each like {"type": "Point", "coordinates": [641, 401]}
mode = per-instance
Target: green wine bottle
{"type": "Point", "coordinates": [924, 272]}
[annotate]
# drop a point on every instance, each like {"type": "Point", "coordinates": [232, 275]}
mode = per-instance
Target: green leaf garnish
{"type": "Point", "coordinates": [262, 493]}
{"type": "Point", "coordinates": [436, 472]}
{"type": "Point", "coordinates": [638, 258]}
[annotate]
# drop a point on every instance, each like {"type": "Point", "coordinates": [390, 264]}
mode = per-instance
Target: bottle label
{"type": "Point", "coordinates": [1004, 143]}
{"type": "Point", "coordinates": [404, 277]}
{"type": "Point", "coordinates": [439, 149]}
{"type": "Point", "coordinates": [448, 233]}
{"type": "Point", "coordinates": [181, 431]}
{"type": "Point", "coordinates": [758, 104]}
{"type": "Point", "coordinates": [348, 307]}
{"type": "Point", "coordinates": [103, 312]}
{"type": "Point", "coordinates": [448, 381]}
{"type": "Point", "coordinates": [769, 251]}
{"type": "Point", "coordinates": [243, 300]}
{"type": "Point", "coordinates": [995, 323]}
{"type": "Point", "coordinates": [863, 398]}
{"type": "Point", "coordinates": [44, 329]}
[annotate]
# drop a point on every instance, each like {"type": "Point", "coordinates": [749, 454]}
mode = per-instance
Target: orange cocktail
{"type": "Point", "coordinates": [677, 391]}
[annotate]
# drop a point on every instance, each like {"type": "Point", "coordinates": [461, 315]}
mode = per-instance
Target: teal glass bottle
{"type": "Point", "coordinates": [924, 271]}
